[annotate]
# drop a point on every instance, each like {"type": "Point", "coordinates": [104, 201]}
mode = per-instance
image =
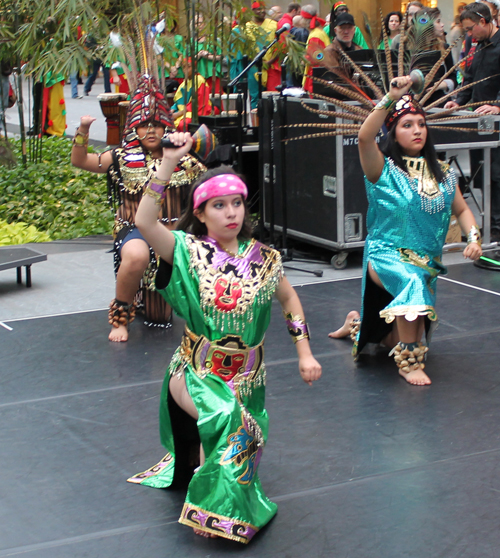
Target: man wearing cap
{"type": "Point", "coordinates": [341, 7]}
{"type": "Point", "coordinates": [344, 36]}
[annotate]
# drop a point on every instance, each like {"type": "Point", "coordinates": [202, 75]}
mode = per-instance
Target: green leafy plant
{"type": "Point", "coordinates": [20, 233]}
{"type": "Point", "coordinates": [55, 197]}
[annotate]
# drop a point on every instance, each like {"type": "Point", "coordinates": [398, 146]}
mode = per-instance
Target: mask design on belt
{"type": "Point", "coordinates": [226, 366]}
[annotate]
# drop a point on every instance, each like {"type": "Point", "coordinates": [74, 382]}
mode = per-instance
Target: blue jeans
{"type": "Point", "coordinates": [73, 79]}
{"type": "Point", "coordinates": [96, 64]}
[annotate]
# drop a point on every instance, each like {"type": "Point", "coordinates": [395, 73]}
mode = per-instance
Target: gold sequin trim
{"type": "Point", "coordinates": [411, 313]}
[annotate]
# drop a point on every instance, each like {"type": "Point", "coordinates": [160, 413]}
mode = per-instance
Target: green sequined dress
{"type": "Point", "coordinates": [226, 301]}
{"type": "Point", "coordinates": [407, 221]}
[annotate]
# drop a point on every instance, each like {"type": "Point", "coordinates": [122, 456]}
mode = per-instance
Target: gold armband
{"type": "Point", "coordinates": [297, 327]}
{"type": "Point", "coordinates": [386, 103]}
{"type": "Point", "coordinates": [80, 139]}
{"type": "Point", "coordinates": [474, 235]}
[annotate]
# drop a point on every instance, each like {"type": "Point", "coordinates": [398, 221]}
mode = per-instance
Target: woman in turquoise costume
{"type": "Point", "coordinates": [221, 282]}
{"type": "Point", "coordinates": [411, 197]}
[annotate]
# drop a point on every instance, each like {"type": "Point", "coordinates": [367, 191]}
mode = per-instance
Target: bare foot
{"type": "Point", "coordinates": [118, 334]}
{"type": "Point", "coordinates": [346, 328]}
{"type": "Point", "coordinates": [204, 534]}
{"type": "Point", "coordinates": [416, 377]}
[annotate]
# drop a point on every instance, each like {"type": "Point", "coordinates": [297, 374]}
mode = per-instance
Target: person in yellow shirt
{"type": "Point", "coordinates": [262, 30]}
{"type": "Point", "coordinates": [317, 38]}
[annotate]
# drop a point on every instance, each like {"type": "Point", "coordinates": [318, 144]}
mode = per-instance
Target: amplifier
{"type": "Point", "coordinates": [316, 186]}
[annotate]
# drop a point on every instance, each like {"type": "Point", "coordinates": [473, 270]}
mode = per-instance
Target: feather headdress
{"type": "Point", "coordinates": [136, 43]}
{"type": "Point", "coordinates": [418, 50]}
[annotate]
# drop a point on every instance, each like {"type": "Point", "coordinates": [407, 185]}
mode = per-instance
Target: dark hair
{"type": "Point", "coordinates": [386, 23]}
{"type": "Point", "coordinates": [414, 3]}
{"type": "Point", "coordinates": [391, 148]}
{"type": "Point", "coordinates": [191, 224]}
{"type": "Point", "coordinates": [333, 18]}
{"type": "Point", "coordinates": [293, 6]}
{"type": "Point", "coordinates": [475, 12]}
{"type": "Point", "coordinates": [433, 42]}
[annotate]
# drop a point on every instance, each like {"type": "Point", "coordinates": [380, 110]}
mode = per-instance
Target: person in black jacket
{"type": "Point", "coordinates": [477, 20]}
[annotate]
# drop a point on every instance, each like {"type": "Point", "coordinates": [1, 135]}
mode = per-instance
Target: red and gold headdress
{"type": "Point", "coordinates": [406, 105]}
{"type": "Point", "coordinates": [148, 104]}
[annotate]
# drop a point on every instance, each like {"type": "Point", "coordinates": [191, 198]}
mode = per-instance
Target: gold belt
{"type": "Point", "coordinates": [228, 358]}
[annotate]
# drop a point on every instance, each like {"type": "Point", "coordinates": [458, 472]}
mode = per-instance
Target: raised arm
{"type": "Point", "coordinates": [372, 159]}
{"type": "Point", "coordinates": [157, 235]}
{"type": "Point", "coordinates": [309, 367]}
{"type": "Point", "coordinates": [93, 162]}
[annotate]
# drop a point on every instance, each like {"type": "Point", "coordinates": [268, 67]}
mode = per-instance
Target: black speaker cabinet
{"type": "Point", "coordinates": [314, 187]}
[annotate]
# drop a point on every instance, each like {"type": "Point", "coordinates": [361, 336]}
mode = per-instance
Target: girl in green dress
{"type": "Point", "coordinates": [221, 282]}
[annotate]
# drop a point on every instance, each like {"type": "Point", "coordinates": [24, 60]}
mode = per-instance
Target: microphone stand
{"type": "Point", "coordinates": [258, 60]}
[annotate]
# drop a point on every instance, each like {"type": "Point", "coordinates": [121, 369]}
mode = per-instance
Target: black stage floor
{"type": "Point", "coordinates": [362, 465]}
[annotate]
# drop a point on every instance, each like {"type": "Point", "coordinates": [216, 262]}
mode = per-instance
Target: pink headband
{"type": "Point", "coordinates": [220, 185]}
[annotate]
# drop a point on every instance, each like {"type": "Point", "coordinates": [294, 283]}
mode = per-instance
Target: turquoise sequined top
{"type": "Point", "coordinates": [407, 221]}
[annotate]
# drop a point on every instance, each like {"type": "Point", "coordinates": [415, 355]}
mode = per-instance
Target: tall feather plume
{"type": "Point", "coordinates": [152, 61]}
{"type": "Point", "coordinates": [332, 113]}
{"type": "Point", "coordinates": [421, 35]}
{"type": "Point", "coordinates": [375, 88]}
{"type": "Point", "coordinates": [142, 48]}
{"type": "Point", "coordinates": [463, 88]}
{"type": "Point", "coordinates": [132, 59]}
{"type": "Point", "coordinates": [414, 44]}
{"type": "Point", "coordinates": [430, 76]}
{"type": "Point", "coordinates": [387, 49]}
{"type": "Point", "coordinates": [401, 50]}
{"type": "Point", "coordinates": [438, 83]}
{"type": "Point", "coordinates": [324, 125]}
{"type": "Point", "coordinates": [454, 129]}
{"type": "Point", "coordinates": [325, 58]}
{"type": "Point", "coordinates": [323, 135]}
{"type": "Point", "coordinates": [347, 92]}
{"type": "Point", "coordinates": [450, 118]}
{"type": "Point", "coordinates": [349, 108]}
{"type": "Point", "coordinates": [374, 45]}
{"type": "Point", "coordinates": [444, 112]}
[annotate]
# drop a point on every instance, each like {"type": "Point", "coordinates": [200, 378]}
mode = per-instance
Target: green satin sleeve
{"type": "Point", "coordinates": [359, 39]}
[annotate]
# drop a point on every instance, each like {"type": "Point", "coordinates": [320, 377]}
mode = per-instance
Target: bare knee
{"type": "Point", "coordinates": [178, 389]}
{"type": "Point", "coordinates": [135, 256]}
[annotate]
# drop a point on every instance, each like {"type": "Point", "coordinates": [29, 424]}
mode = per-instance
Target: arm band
{"type": "Point", "coordinates": [386, 103]}
{"type": "Point", "coordinates": [474, 235]}
{"type": "Point", "coordinates": [156, 189]}
{"type": "Point", "coordinates": [297, 327]}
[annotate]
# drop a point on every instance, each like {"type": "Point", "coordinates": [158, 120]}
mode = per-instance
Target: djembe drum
{"type": "Point", "coordinates": [111, 110]}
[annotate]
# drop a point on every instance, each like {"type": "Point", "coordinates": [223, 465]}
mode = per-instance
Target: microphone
{"type": "Point", "coordinates": [204, 142]}
{"type": "Point", "coordinates": [286, 27]}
